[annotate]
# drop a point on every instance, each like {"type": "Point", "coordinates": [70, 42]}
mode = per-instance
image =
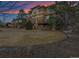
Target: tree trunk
{"type": "Point", "coordinates": [66, 21]}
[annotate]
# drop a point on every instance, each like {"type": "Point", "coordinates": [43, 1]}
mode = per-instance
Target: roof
{"type": "Point", "coordinates": [38, 7]}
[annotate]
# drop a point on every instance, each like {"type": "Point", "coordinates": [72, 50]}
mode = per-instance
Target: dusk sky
{"type": "Point", "coordinates": [12, 7]}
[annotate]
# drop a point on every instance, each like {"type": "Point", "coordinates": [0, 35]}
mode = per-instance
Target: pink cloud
{"type": "Point", "coordinates": [12, 12]}
{"type": "Point", "coordinates": [26, 10]}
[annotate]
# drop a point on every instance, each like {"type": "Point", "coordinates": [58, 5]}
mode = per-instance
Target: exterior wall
{"type": "Point", "coordinates": [39, 14]}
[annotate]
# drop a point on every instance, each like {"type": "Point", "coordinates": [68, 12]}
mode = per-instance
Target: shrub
{"type": "Point", "coordinates": [59, 24]}
{"type": "Point", "coordinates": [29, 25]}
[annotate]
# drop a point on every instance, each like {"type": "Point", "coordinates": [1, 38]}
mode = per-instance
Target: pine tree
{"type": "Point", "coordinates": [21, 17]}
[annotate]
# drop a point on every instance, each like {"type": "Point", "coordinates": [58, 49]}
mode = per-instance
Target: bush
{"type": "Point", "coordinates": [1, 25]}
{"type": "Point", "coordinates": [29, 25]}
{"type": "Point", "coordinates": [59, 24]}
{"type": "Point", "coordinates": [56, 23]}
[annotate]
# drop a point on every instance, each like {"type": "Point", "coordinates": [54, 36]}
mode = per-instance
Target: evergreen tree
{"type": "Point", "coordinates": [1, 24]}
{"type": "Point", "coordinates": [63, 8]}
{"type": "Point", "coordinates": [21, 17]}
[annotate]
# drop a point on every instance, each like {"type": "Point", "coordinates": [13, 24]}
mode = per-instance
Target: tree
{"type": "Point", "coordinates": [64, 9]}
{"type": "Point", "coordinates": [55, 20]}
{"type": "Point", "coordinates": [59, 24]}
{"type": "Point", "coordinates": [30, 12]}
{"type": "Point", "coordinates": [21, 17]}
{"type": "Point", "coordinates": [51, 18]}
{"type": "Point", "coordinates": [51, 22]}
{"type": "Point", "coordinates": [1, 24]}
{"type": "Point", "coordinates": [75, 17]}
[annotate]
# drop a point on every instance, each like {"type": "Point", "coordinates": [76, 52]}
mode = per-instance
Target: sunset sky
{"type": "Point", "coordinates": [13, 7]}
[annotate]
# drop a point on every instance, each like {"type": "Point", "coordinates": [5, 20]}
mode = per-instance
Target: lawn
{"type": "Point", "coordinates": [29, 37]}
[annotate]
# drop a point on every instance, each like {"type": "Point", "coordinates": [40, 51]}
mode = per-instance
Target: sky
{"type": "Point", "coordinates": [11, 8]}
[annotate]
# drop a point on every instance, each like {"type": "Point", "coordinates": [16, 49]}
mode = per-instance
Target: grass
{"type": "Point", "coordinates": [24, 38]}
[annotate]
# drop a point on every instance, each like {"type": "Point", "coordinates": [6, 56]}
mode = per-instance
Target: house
{"type": "Point", "coordinates": [39, 16]}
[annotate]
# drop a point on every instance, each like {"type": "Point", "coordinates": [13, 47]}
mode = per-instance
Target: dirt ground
{"type": "Point", "coordinates": [67, 48]}
{"type": "Point", "coordinates": [20, 37]}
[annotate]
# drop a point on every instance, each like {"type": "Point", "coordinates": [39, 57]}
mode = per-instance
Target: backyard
{"type": "Point", "coordinates": [20, 37]}
{"type": "Point", "coordinates": [29, 43]}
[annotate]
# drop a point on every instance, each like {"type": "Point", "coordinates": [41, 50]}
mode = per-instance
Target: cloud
{"type": "Point", "coordinates": [29, 5]}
